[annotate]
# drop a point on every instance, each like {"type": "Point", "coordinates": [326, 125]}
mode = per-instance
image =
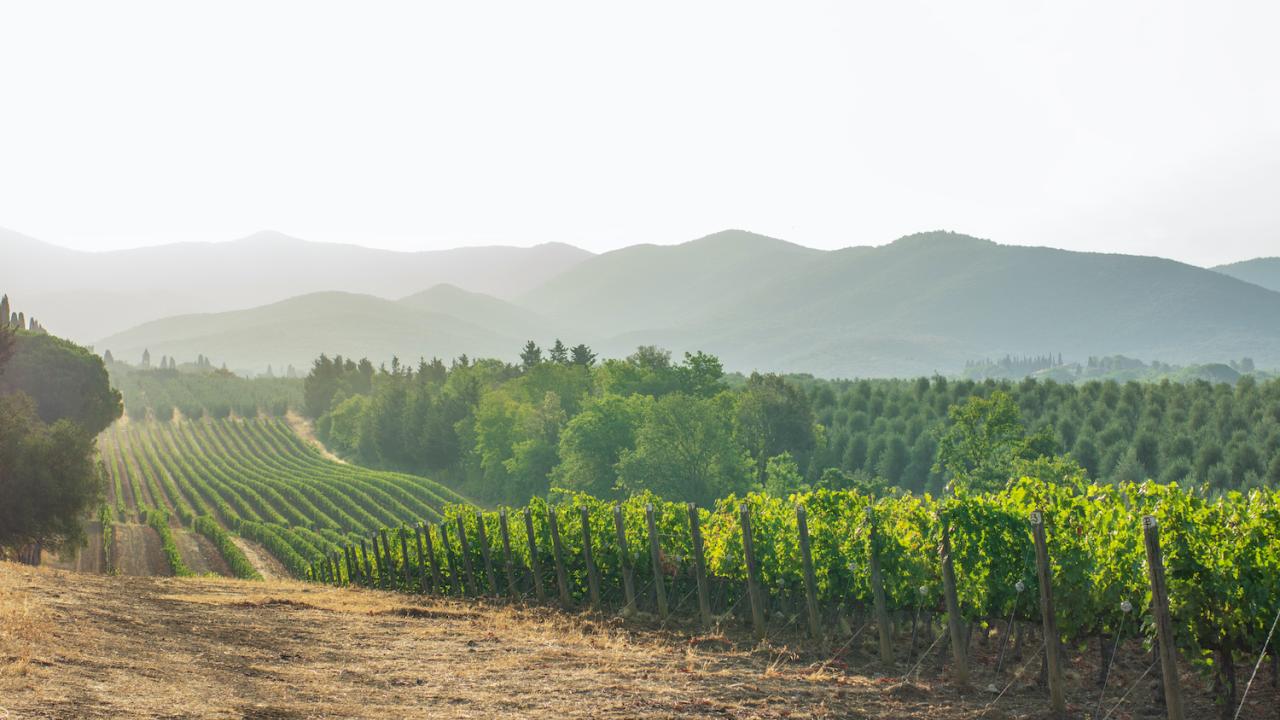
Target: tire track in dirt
{"type": "Point", "coordinates": [139, 552]}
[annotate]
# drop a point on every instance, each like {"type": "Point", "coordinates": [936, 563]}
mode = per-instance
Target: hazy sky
{"type": "Point", "coordinates": [1142, 127]}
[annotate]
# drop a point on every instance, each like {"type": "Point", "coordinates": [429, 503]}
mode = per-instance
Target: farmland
{"type": "Point", "coordinates": [228, 487]}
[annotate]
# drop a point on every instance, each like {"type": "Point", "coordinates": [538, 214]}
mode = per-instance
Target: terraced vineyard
{"type": "Point", "coordinates": [231, 481]}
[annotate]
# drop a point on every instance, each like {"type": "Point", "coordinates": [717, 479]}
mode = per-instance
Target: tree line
{"type": "Point", "coordinates": [504, 432]}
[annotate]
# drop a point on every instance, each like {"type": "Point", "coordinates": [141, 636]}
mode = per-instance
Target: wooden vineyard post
{"type": "Point", "coordinates": [508, 563]}
{"type": "Point", "coordinates": [436, 585]}
{"type": "Point", "coordinates": [1057, 694]}
{"type": "Point", "coordinates": [487, 553]}
{"type": "Point", "coordinates": [624, 559]}
{"type": "Point", "coordinates": [379, 562]}
{"type": "Point", "coordinates": [535, 564]}
{"type": "Point", "coordinates": [389, 567]}
{"type": "Point", "coordinates": [367, 577]}
{"type": "Point", "coordinates": [455, 577]}
{"type": "Point", "coordinates": [405, 566]}
{"type": "Point", "coordinates": [700, 567]}
{"type": "Point", "coordinates": [422, 560]}
{"type": "Point", "coordinates": [810, 581]}
{"type": "Point", "coordinates": [593, 573]}
{"type": "Point", "coordinates": [464, 549]}
{"type": "Point", "coordinates": [753, 573]}
{"type": "Point", "coordinates": [557, 555]}
{"type": "Point", "coordinates": [655, 559]}
{"type": "Point", "coordinates": [1160, 611]}
{"type": "Point", "coordinates": [877, 590]}
{"type": "Point", "coordinates": [351, 566]}
{"type": "Point", "coordinates": [954, 622]}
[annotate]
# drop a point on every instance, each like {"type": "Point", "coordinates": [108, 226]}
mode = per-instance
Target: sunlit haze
{"type": "Point", "coordinates": [1148, 128]}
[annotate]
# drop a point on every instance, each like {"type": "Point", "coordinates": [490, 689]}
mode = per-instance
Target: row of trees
{"type": "Point", "coordinates": [1223, 436]}
{"type": "Point", "coordinates": [506, 432]}
{"type": "Point", "coordinates": [17, 320]}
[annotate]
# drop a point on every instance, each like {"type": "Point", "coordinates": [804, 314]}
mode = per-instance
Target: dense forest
{"type": "Point", "coordinates": [506, 432]}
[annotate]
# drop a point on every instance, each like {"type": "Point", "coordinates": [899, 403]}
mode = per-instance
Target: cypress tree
{"type": "Point", "coordinates": [4, 309]}
{"type": "Point", "coordinates": [22, 321]}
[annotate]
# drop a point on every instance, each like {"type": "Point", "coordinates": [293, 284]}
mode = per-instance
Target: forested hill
{"type": "Point", "coordinates": [85, 296]}
{"type": "Point", "coordinates": [926, 303]}
{"type": "Point", "coordinates": [1263, 272]}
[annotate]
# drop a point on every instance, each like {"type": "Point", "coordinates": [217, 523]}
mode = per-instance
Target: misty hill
{"type": "Point", "coordinates": [485, 311]}
{"type": "Point", "coordinates": [86, 296]}
{"type": "Point", "coordinates": [297, 330]}
{"type": "Point", "coordinates": [646, 287]}
{"type": "Point", "coordinates": [925, 303]}
{"type": "Point", "coordinates": [1264, 272]}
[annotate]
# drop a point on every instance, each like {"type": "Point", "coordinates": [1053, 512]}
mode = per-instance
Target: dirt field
{"type": "Point", "coordinates": [87, 646]}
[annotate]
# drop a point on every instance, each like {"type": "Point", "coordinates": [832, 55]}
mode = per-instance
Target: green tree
{"type": "Point", "coordinates": [581, 355]}
{"type": "Point", "coordinates": [65, 380]}
{"type": "Point", "coordinates": [4, 310]}
{"type": "Point", "coordinates": [593, 441]}
{"type": "Point", "coordinates": [772, 417]}
{"type": "Point", "coordinates": [559, 354]}
{"type": "Point", "coordinates": [48, 481]}
{"type": "Point", "coordinates": [531, 356]}
{"type": "Point", "coordinates": [685, 450]}
{"type": "Point", "coordinates": [984, 438]}
{"type": "Point", "coordinates": [783, 477]}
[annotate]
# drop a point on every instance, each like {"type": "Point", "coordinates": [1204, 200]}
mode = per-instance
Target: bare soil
{"type": "Point", "coordinates": [264, 562]}
{"type": "Point", "coordinates": [199, 553]}
{"type": "Point", "coordinates": [85, 559]}
{"type": "Point", "coordinates": [87, 646]}
{"type": "Point", "coordinates": [139, 552]}
{"type": "Point", "coordinates": [303, 428]}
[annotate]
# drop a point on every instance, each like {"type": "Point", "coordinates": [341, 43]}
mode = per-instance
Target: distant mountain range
{"type": "Point", "coordinates": [1259, 271]}
{"type": "Point", "coordinates": [86, 296]}
{"type": "Point", "coordinates": [925, 303]}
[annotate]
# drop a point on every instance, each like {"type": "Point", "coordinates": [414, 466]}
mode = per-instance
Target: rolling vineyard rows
{"type": "Point", "coordinates": [1221, 557]}
{"type": "Point", "coordinates": [257, 479]}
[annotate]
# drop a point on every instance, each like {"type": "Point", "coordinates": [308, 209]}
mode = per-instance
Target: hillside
{"type": "Point", "coordinates": [85, 296]}
{"type": "Point", "coordinates": [1263, 272]}
{"type": "Point", "coordinates": [295, 331]}
{"type": "Point", "coordinates": [923, 304]}
{"type": "Point", "coordinates": [654, 287]}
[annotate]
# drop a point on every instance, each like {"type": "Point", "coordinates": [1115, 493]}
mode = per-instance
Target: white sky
{"type": "Point", "coordinates": [1141, 127]}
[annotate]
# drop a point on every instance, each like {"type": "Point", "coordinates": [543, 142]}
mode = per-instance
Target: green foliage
{"type": "Point", "coordinates": [194, 390]}
{"type": "Point", "coordinates": [66, 381]}
{"type": "Point", "coordinates": [48, 480]}
{"type": "Point", "coordinates": [259, 479]}
{"type": "Point", "coordinates": [685, 448]}
{"type": "Point", "coordinates": [159, 521]}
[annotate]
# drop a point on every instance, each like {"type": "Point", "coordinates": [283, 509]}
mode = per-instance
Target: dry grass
{"type": "Point", "coordinates": [24, 622]}
{"type": "Point", "coordinates": [86, 646]}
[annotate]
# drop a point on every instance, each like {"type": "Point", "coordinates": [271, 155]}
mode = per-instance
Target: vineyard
{"type": "Point", "coordinates": [257, 480]}
{"type": "Point", "coordinates": [830, 563]}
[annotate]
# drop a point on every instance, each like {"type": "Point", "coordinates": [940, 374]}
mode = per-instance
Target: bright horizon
{"type": "Point", "coordinates": [1147, 128]}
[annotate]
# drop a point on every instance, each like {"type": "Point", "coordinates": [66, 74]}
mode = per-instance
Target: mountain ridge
{"type": "Point", "coordinates": [925, 303]}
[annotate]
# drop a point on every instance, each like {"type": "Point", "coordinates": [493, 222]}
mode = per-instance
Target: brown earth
{"type": "Point", "coordinates": [199, 553]}
{"type": "Point", "coordinates": [264, 562]}
{"type": "Point", "coordinates": [88, 646]}
{"type": "Point", "coordinates": [302, 428]}
{"type": "Point", "coordinates": [138, 551]}
{"type": "Point", "coordinates": [85, 559]}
